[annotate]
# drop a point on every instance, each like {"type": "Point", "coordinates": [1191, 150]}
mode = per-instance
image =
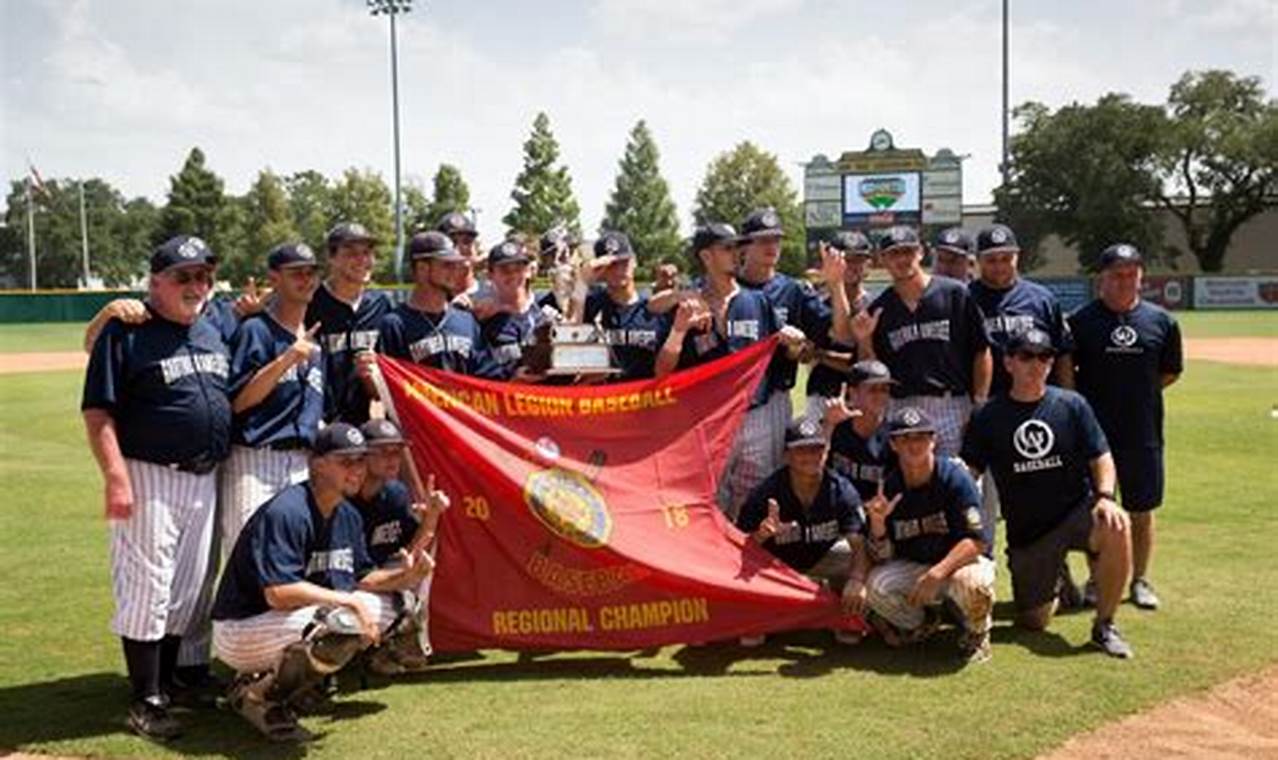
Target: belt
{"type": "Point", "coordinates": [288, 444]}
{"type": "Point", "coordinates": [198, 466]}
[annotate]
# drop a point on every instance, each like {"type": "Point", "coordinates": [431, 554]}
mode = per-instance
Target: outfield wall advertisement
{"type": "Point", "coordinates": [1236, 292]}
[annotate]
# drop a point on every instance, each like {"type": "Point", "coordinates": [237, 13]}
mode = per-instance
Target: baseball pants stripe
{"type": "Point", "coordinates": [756, 452]}
{"type": "Point", "coordinates": [254, 645]}
{"type": "Point", "coordinates": [971, 587]}
{"type": "Point", "coordinates": [250, 477]}
{"type": "Point", "coordinates": [198, 640]}
{"type": "Point", "coordinates": [950, 415]}
{"type": "Point", "coordinates": [160, 553]}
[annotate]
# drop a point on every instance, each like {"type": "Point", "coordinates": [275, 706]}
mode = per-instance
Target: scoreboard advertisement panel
{"type": "Point", "coordinates": [882, 199]}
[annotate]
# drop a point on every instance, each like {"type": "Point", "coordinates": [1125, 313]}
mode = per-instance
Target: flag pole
{"type": "Point", "coordinates": [84, 236]}
{"type": "Point", "coordinates": [31, 255]}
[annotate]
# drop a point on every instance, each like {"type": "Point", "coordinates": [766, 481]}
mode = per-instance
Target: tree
{"type": "Point", "coordinates": [543, 191]}
{"type": "Point", "coordinates": [196, 205]}
{"type": "Point", "coordinates": [747, 178]}
{"type": "Point", "coordinates": [417, 209]}
{"type": "Point", "coordinates": [640, 205]}
{"type": "Point", "coordinates": [1085, 173]}
{"type": "Point", "coordinates": [1221, 156]}
{"type": "Point", "coordinates": [450, 193]}
{"type": "Point", "coordinates": [269, 222]}
{"type": "Point", "coordinates": [310, 200]}
{"type": "Point", "coordinates": [362, 196]}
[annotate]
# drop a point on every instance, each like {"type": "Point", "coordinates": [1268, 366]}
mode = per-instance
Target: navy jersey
{"type": "Point", "coordinates": [389, 522]}
{"type": "Point", "coordinates": [1121, 359]}
{"type": "Point", "coordinates": [345, 330]}
{"type": "Point", "coordinates": [930, 520]}
{"type": "Point", "coordinates": [823, 380]}
{"type": "Point", "coordinates": [834, 513]}
{"type": "Point", "coordinates": [507, 334]}
{"type": "Point", "coordinates": [165, 386]}
{"type": "Point", "coordinates": [450, 340]}
{"type": "Point", "coordinates": [749, 318]}
{"type": "Point", "coordinates": [549, 300]}
{"type": "Point", "coordinates": [865, 462]}
{"type": "Point", "coordinates": [290, 414]}
{"type": "Point", "coordinates": [796, 303]}
{"type": "Point", "coordinates": [630, 330]}
{"type": "Point", "coordinates": [1040, 454]}
{"type": "Point", "coordinates": [1016, 309]}
{"type": "Point", "coordinates": [287, 540]}
{"type": "Point", "coordinates": [930, 350]}
{"type": "Point", "coordinates": [219, 312]}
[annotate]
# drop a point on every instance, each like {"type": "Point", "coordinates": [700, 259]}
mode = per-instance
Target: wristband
{"type": "Point", "coordinates": [1104, 495]}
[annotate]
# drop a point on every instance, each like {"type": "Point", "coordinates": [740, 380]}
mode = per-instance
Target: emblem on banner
{"type": "Point", "coordinates": [570, 506]}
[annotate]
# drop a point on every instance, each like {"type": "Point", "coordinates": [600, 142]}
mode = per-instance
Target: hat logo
{"type": "Point", "coordinates": [950, 236]}
{"type": "Point", "coordinates": [911, 417]}
{"type": "Point", "coordinates": [808, 428]}
{"type": "Point", "coordinates": [1124, 336]}
{"type": "Point", "coordinates": [191, 248]}
{"type": "Point", "coordinates": [354, 438]}
{"type": "Point", "coordinates": [508, 249]}
{"type": "Point", "coordinates": [998, 235]}
{"type": "Point", "coordinates": [611, 245]}
{"type": "Point", "coordinates": [769, 219]}
{"type": "Point", "coordinates": [305, 251]}
{"type": "Point", "coordinates": [1033, 439]}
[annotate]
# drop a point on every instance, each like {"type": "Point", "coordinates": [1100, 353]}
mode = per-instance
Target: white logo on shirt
{"type": "Point", "coordinates": [1033, 439]}
{"type": "Point", "coordinates": [340, 560]}
{"type": "Point", "coordinates": [1124, 336]}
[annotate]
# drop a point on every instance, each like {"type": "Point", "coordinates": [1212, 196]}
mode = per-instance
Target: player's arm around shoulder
{"type": "Point", "coordinates": [127, 310]}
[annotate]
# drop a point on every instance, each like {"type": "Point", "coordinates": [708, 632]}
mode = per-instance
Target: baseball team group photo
{"type": "Point", "coordinates": [899, 449]}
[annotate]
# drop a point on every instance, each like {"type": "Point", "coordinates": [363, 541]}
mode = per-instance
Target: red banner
{"type": "Point", "coordinates": [584, 517]}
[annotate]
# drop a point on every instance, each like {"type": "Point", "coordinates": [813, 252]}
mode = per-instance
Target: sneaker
{"type": "Point", "coordinates": [750, 642]}
{"type": "Point", "coordinates": [847, 638]}
{"type": "Point", "coordinates": [975, 647]}
{"type": "Point", "coordinates": [1068, 596]}
{"type": "Point", "coordinates": [150, 718]}
{"type": "Point", "coordinates": [1143, 595]}
{"type": "Point", "coordinates": [1105, 636]}
{"type": "Point", "coordinates": [1090, 594]}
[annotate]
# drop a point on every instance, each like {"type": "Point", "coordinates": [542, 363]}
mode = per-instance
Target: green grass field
{"type": "Point", "coordinates": [61, 674]}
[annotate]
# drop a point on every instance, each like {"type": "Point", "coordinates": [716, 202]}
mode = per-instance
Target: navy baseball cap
{"type": "Point", "coordinates": [898, 237]}
{"type": "Point", "coordinates": [910, 419]}
{"type": "Point", "coordinates": [339, 438]}
{"type": "Point", "coordinates": [432, 245]}
{"type": "Point", "coordinates": [614, 244]}
{"type": "Point", "coordinates": [870, 372]}
{"type": "Point", "coordinates": [552, 237]}
{"type": "Point", "coordinates": [381, 433]}
{"type": "Point", "coordinates": [506, 252]}
{"type": "Point", "coordinates": [956, 240]}
{"type": "Point", "coordinates": [181, 251]}
{"type": "Point", "coordinates": [1031, 341]}
{"type": "Point", "coordinates": [713, 234]}
{"type": "Point", "coordinates": [350, 232]}
{"type": "Point", "coordinates": [1120, 253]}
{"type": "Point", "coordinates": [804, 431]}
{"type": "Point", "coordinates": [853, 242]}
{"type": "Point", "coordinates": [762, 223]}
{"type": "Point", "coordinates": [996, 238]}
{"type": "Point", "coordinates": [290, 255]}
{"type": "Point", "coordinates": [456, 223]}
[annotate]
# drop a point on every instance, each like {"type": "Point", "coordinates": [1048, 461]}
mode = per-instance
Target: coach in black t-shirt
{"type": "Point", "coordinates": [1055, 476]}
{"type": "Point", "coordinates": [1126, 352]}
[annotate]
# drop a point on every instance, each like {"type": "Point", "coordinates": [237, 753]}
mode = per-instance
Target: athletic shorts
{"type": "Point", "coordinates": [1037, 566]}
{"type": "Point", "coordinates": [1140, 478]}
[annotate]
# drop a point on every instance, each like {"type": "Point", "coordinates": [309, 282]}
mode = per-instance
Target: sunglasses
{"type": "Point", "coordinates": [186, 277]}
{"type": "Point", "coordinates": [1026, 356]}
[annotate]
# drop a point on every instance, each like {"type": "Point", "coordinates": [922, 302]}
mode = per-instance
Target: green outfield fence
{"type": "Point", "coordinates": [1171, 291]}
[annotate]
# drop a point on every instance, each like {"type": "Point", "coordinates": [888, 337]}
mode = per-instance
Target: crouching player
{"type": "Point", "coordinates": [396, 527]}
{"type": "Point", "coordinates": [809, 517]}
{"type": "Point", "coordinates": [300, 597]}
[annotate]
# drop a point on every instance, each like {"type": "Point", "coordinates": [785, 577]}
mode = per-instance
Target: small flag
{"type": "Point", "coordinates": [37, 181]}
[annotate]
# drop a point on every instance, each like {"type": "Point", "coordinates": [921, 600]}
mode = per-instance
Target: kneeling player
{"type": "Point", "coordinates": [809, 517]}
{"type": "Point", "coordinates": [395, 527]}
{"type": "Point", "coordinates": [927, 542]}
{"type": "Point", "coordinates": [300, 596]}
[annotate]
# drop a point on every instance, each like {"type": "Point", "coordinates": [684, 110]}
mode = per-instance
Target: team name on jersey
{"type": "Point", "coordinates": [623, 337]}
{"type": "Point", "coordinates": [1009, 323]}
{"type": "Point", "coordinates": [934, 524]}
{"type": "Point", "coordinates": [340, 560]}
{"type": "Point", "coordinates": [439, 344]}
{"type": "Point", "coordinates": [907, 334]}
{"type": "Point", "coordinates": [871, 473]}
{"type": "Point", "coordinates": [509, 352]}
{"type": "Point", "coordinates": [386, 533]}
{"type": "Point", "coordinates": [313, 377]}
{"type": "Point", "coordinates": [175, 368]}
{"type": "Point", "coordinates": [356, 340]}
{"type": "Point", "coordinates": [783, 315]}
{"type": "Point", "coordinates": [808, 534]}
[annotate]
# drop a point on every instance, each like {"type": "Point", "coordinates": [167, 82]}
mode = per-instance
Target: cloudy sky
{"type": "Point", "coordinates": [123, 88]}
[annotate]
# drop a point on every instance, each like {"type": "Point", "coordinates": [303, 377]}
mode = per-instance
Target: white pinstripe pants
{"type": "Point", "coordinates": [756, 452]}
{"type": "Point", "coordinates": [249, 478]}
{"type": "Point", "coordinates": [971, 587]}
{"type": "Point", "coordinates": [160, 553]}
{"type": "Point", "coordinates": [255, 644]}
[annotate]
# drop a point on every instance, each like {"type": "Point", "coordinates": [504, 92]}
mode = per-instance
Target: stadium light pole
{"type": "Point", "coordinates": [1004, 165]}
{"type": "Point", "coordinates": [391, 9]}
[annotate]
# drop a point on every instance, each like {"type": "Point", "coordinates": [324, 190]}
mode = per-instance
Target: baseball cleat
{"type": "Point", "coordinates": [1143, 595]}
{"type": "Point", "coordinates": [1105, 636]}
{"type": "Point", "coordinates": [150, 719]}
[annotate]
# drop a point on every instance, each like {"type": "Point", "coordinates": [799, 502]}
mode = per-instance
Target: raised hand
{"type": "Point", "coordinates": [880, 507]}
{"type": "Point", "coordinates": [833, 265]}
{"type": "Point", "coordinates": [252, 300]}
{"type": "Point", "coordinates": [771, 524]}
{"type": "Point", "coordinates": [305, 346]}
{"type": "Point", "coordinates": [864, 324]}
{"type": "Point", "coordinates": [837, 410]}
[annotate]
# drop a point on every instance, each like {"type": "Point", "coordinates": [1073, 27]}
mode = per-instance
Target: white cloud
{"type": "Point", "coordinates": [684, 20]}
